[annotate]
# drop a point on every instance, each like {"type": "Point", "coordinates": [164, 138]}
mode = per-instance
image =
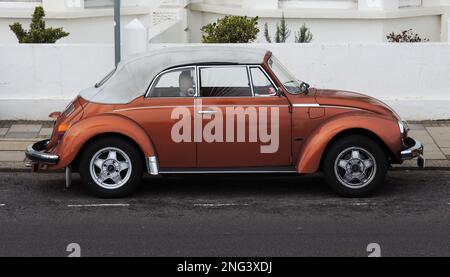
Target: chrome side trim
{"type": "Point", "coordinates": [152, 165]}
{"type": "Point", "coordinates": [225, 171]}
{"type": "Point", "coordinates": [341, 107]}
{"type": "Point", "coordinates": [152, 107]}
{"type": "Point", "coordinates": [325, 106]}
{"type": "Point", "coordinates": [305, 105]}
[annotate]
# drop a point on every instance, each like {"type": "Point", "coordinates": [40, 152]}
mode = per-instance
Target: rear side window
{"type": "Point", "coordinates": [175, 83]}
{"type": "Point", "coordinates": [229, 81]}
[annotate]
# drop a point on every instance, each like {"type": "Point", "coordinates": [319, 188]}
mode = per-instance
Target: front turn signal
{"type": "Point", "coordinates": [63, 127]}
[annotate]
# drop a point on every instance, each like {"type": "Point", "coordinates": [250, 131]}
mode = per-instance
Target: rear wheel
{"type": "Point", "coordinates": [355, 166]}
{"type": "Point", "coordinates": [111, 167]}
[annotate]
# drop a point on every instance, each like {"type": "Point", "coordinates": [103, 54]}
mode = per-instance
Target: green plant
{"type": "Point", "coordinates": [405, 36]}
{"type": "Point", "coordinates": [37, 32]}
{"type": "Point", "coordinates": [281, 34]}
{"type": "Point", "coordinates": [303, 35]}
{"type": "Point", "coordinates": [266, 33]}
{"type": "Point", "coordinates": [231, 29]}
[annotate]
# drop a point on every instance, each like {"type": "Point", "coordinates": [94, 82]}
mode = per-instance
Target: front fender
{"type": "Point", "coordinates": [82, 131]}
{"type": "Point", "coordinates": [311, 152]}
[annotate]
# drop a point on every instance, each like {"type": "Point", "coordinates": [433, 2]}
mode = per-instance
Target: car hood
{"type": "Point", "coordinates": [349, 99]}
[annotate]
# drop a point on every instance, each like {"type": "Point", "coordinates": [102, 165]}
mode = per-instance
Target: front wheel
{"type": "Point", "coordinates": [355, 166]}
{"type": "Point", "coordinates": [111, 167]}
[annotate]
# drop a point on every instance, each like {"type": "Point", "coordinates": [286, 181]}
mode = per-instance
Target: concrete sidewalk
{"type": "Point", "coordinates": [16, 135]}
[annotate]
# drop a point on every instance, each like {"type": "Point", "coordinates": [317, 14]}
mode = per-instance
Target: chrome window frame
{"type": "Point", "coordinates": [225, 66]}
{"type": "Point", "coordinates": [197, 79]}
{"type": "Point", "coordinates": [153, 83]}
{"type": "Point", "coordinates": [268, 77]}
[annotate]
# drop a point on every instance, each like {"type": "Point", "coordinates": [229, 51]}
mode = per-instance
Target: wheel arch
{"type": "Point", "coordinates": [362, 132]}
{"type": "Point", "coordinates": [76, 160]}
{"type": "Point", "coordinates": [383, 130]}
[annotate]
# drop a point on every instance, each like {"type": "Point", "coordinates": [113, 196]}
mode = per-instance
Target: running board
{"type": "Point", "coordinates": [228, 170]}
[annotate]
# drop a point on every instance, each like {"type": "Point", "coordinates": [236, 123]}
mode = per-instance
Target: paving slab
{"type": "Point", "coordinates": [21, 135]}
{"type": "Point", "coordinates": [45, 132]}
{"type": "Point", "coordinates": [421, 135]}
{"type": "Point", "coordinates": [12, 156]}
{"type": "Point", "coordinates": [19, 128]}
{"type": "Point", "coordinates": [446, 150]}
{"type": "Point", "coordinates": [441, 135]}
{"type": "Point", "coordinates": [416, 127]}
{"type": "Point", "coordinates": [13, 145]}
{"type": "Point", "coordinates": [433, 152]}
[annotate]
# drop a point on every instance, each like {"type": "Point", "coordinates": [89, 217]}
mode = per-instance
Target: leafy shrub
{"type": "Point", "coordinates": [37, 33]}
{"type": "Point", "coordinates": [231, 29]}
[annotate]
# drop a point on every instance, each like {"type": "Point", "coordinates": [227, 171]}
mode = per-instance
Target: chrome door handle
{"type": "Point", "coordinates": [207, 112]}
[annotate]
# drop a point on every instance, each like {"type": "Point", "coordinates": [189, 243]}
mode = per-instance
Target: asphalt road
{"type": "Point", "coordinates": [221, 215]}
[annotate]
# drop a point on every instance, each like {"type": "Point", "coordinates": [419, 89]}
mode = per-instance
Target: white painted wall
{"type": "Point", "coordinates": [332, 29]}
{"type": "Point", "coordinates": [82, 29]}
{"type": "Point", "coordinates": [413, 78]}
{"type": "Point", "coordinates": [38, 79]}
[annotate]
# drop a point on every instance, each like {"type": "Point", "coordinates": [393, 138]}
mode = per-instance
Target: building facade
{"type": "Point", "coordinates": [330, 21]}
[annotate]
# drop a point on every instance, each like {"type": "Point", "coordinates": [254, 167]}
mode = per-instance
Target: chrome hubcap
{"type": "Point", "coordinates": [110, 168]}
{"type": "Point", "coordinates": [355, 167]}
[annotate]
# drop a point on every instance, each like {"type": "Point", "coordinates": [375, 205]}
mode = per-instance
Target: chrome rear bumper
{"type": "Point", "coordinates": [36, 153]}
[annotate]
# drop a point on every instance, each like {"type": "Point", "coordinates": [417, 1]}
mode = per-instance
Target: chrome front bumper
{"type": "Point", "coordinates": [36, 153]}
{"type": "Point", "coordinates": [415, 150]}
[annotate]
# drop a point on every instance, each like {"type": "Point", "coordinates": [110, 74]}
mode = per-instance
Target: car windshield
{"type": "Point", "coordinates": [290, 83]}
{"type": "Point", "coordinates": [106, 78]}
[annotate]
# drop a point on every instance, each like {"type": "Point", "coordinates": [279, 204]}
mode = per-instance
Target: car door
{"type": "Point", "coordinates": [244, 123]}
{"type": "Point", "coordinates": [168, 117]}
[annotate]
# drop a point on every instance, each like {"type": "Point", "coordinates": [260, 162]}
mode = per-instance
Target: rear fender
{"type": "Point", "coordinates": [84, 130]}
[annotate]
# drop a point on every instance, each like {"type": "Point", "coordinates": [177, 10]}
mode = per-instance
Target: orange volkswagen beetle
{"type": "Point", "coordinates": [220, 110]}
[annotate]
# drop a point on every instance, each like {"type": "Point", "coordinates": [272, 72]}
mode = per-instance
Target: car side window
{"type": "Point", "coordinates": [262, 85]}
{"type": "Point", "coordinates": [175, 83]}
{"type": "Point", "coordinates": [226, 81]}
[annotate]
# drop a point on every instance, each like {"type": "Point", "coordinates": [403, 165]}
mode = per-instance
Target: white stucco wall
{"type": "Point", "coordinates": [38, 79]}
{"type": "Point", "coordinates": [348, 29]}
{"type": "Point", "coordinates": [413, 78]}
{"type": "Point", "coordinates": [82, 29]}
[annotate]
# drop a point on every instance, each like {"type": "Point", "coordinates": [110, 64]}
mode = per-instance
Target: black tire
{"type": "Point", "coordinates": [365, 146]}
{"type": "Point", "coordinates": [133, 179]}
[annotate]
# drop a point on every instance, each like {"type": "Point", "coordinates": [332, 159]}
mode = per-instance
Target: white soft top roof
{"type": "Point", "coordinates": [133, 76]}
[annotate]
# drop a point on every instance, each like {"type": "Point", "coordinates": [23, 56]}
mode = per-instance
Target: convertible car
{"type": "Point", "coordinates": [220, 110]}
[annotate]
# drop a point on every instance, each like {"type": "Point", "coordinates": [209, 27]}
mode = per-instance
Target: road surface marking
{"type": "Point", "coordinates": [98, 205]}
{"type": "Point", "coordinates": [218, 204]}
{"type": "Point", "coordinates": [2, 205]}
